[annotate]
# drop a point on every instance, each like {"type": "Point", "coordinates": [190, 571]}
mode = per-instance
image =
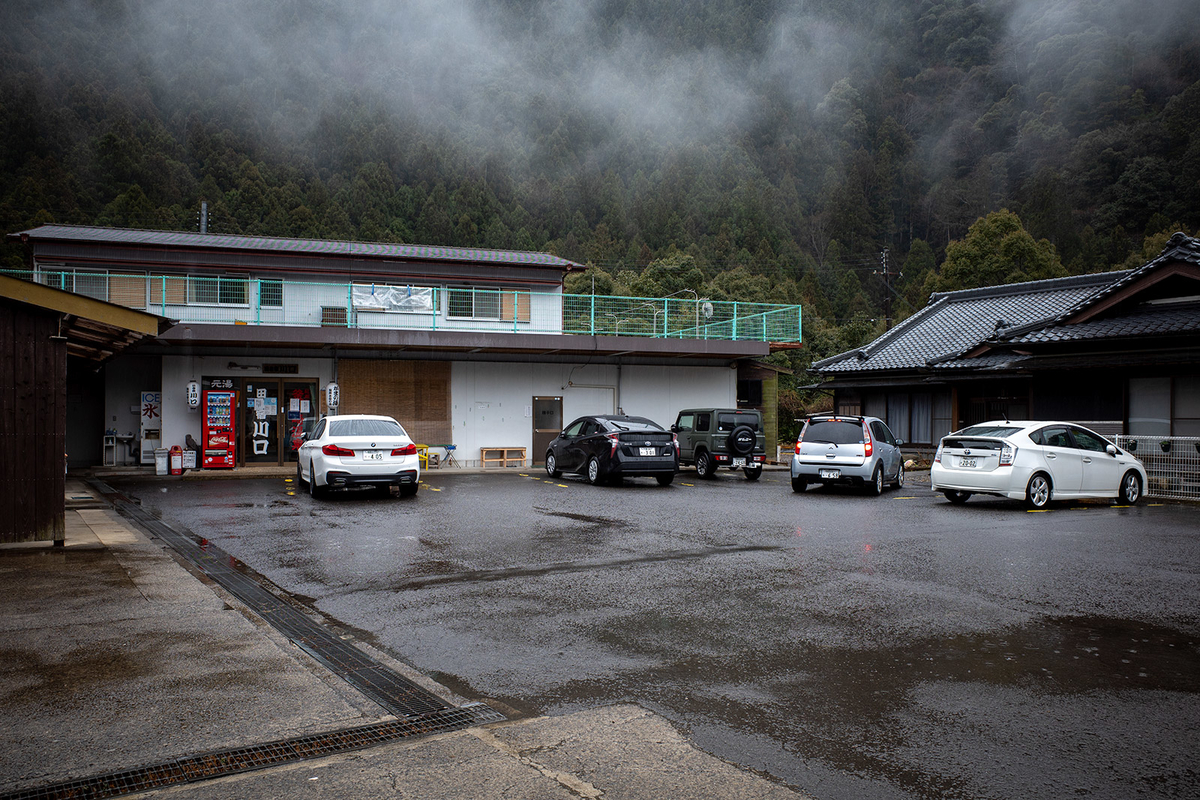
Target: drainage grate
{"type": "Point", "coordinates": [206, 766]}
{"type": "Point", "coordinates": [394, 692]}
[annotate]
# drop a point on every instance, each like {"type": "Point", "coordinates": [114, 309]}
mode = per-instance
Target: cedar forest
{"type": "Point", "coordinates": [851, 157]}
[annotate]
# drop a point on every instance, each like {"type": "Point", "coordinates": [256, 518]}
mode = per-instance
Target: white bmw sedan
{"type": "Point", "coordinates": [1036, 462]}
{"type": "Point", "coordinates": [358, 450]}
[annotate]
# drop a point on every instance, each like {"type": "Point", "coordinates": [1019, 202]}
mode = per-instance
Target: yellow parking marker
{"type": "Point", "coordinates": [1035, 510]}
{"type": "Point", "coordinates": [287, 480]}
{"type": "Point", "coordinates": [687, 484]}
{"type": "Point", "coordinates": [914, 497]}
{"type": "Point", "coordinates": [433, 488]}
{"type": "Point", "coordinates": [523, 474]}
{"type": "Point", "coordinates": [561, 485]}
{"type": "Point", "coordinates": [291, 494]}
{"type": "Point", "coordinates": [1155, 505]}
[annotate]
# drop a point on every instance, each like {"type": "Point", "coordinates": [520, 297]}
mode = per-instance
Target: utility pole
{"type": "Point", "coordinates": [885, 269]}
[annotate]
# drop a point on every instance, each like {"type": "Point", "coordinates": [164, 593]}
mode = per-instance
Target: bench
{"type": "Point", "coordinates": [502, 456]}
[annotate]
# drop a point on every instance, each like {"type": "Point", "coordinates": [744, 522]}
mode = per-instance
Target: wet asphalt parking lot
{"type": "Point", "coordinates": [849, 646]}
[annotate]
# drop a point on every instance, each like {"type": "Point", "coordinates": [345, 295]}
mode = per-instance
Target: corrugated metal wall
{"type": "Point", "coordinates": [33, 402]}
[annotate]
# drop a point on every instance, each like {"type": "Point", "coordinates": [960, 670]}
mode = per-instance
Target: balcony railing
{"type": "Point", "coordinates": [239, 300]}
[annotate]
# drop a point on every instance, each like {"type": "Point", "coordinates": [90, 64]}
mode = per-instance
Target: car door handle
{"type": "Point", "coordinates": [1087, 460]}
{"type": "Point", "coordinates": [1051, 455]}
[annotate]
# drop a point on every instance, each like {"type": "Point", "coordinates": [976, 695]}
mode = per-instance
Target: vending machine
{"type": "Point", "coordinates": [218, 411]}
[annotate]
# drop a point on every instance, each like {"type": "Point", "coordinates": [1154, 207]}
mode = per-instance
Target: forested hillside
{"type": "Point", "coordinates": [761, 149]}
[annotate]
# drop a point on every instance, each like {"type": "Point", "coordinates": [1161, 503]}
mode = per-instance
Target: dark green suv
{"type": "Point", "coordinates": [721, 437]}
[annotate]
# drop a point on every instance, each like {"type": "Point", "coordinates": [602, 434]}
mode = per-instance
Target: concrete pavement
{"type": "Point", "coordinates": [117, 655]}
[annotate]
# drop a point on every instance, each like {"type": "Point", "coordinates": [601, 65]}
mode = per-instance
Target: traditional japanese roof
{"type": "Point", "coordinates": [83, 234]}
{"type": "Point", "coordinates": [954, 323]}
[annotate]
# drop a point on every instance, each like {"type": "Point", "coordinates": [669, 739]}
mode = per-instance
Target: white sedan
{"type": "Point", "coordinates": [358, 450]}
{"type": "Point", "coordinates": [1036, 462]}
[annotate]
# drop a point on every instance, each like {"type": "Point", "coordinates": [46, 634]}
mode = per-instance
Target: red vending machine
{"type": "Point", "coordinates": [217, 413]}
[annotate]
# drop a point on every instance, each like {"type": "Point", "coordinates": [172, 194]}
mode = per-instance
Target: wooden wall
{"type": "Point", "coordinates": [417, 393]}
{"type": "Point", "coordinates": [33, 421]}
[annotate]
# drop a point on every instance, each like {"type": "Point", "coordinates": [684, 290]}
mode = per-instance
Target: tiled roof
{"type": "Point", "coordinates": [955, 322]}
{"type": "Point", "coordinates": [1179, 248]}
{"type": "Point", "coordinates": [219, 241]}
{"type": "Point", "coordinates": [1146, 320]}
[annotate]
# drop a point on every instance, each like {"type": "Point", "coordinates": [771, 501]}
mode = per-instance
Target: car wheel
{"type": "Point", "coordinates": [798, 485]}
{"type": "Point", "coordinates": [900, 476]}
{"type": "Point", "coordinates": [752, 473]}
{"type": "Point", "coordinates": [876, 486]}
{"type": "Point", "coordinates": [313, 489]}
{"type": "Point", "coordinates": [592, 471]}
{"type": "Point", "coordinates": [958, 498]}
{"type": "Point", "coordinates": [552, 466]}
{"type": "Point", "coordinates": [1131, 488]}
{"type": "Point", "coordinates": [1038, 492]}
{"type": "Point", "coordinates": [408, 491]}
{"type": "Point", "coordinates": [665, 480]}
{"type": "Point", "coordinates": [705, 466]}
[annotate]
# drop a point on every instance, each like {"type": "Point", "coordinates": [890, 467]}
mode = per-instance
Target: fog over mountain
{"type": "Point", "coordinates": [780, 136]}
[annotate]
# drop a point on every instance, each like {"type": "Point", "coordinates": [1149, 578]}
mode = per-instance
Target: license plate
{"type": "Point", "coordinates": [968, 463]}
{"type": "Point", "coordinates": [647, 451]}
{"type": "Point", "coordinates": [739, 462]}
{"type": "Point", "coordinates": [830, 473]}
{"type": "Point", "coordinates": [373, 455]}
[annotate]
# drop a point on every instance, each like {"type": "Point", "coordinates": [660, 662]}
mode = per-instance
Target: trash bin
{"type": "Point", "coordinates": [160, 460]}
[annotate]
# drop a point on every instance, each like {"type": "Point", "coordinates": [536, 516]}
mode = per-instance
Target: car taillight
{"type": "Point", "coordinates": [868, 445]}
{"type": "Point", "coordinates": [937, 457]}
{"type": "Point", "coordinates": [613, 437]}
{"type": "Point", "coordinates": [334, 450]}
{"type": "Point", "coordinates": [1008, 454]}
{"type": "Point", "coordinates": [675, 441]}
{"type": "Point", "coordinates": [407, 450]}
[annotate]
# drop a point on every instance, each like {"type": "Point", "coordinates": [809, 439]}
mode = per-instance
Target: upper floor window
{"type": "Point", "coordinates": [225, 290]}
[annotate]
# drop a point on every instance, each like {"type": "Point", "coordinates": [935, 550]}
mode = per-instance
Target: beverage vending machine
{"type": "Point", "coordinates": [218, 413]}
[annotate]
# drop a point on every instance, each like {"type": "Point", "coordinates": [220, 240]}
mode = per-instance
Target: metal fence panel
{"type": "Point", "coordinates": [1172, 464]}
{"type": "Point", "coordinates": [247, 300]}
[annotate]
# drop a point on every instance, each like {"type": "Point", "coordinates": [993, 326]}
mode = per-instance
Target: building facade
{"type": "Point", "coordinates": [473, 349]}
{"type": "Point", "coordinates": [1118, 351]}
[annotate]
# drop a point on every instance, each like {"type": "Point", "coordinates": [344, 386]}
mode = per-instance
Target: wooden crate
{"type": "Point", "coordinates": [502, 456]}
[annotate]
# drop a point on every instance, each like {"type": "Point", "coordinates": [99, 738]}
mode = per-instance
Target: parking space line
{"type": "Point", "coordinates": [914, 497]}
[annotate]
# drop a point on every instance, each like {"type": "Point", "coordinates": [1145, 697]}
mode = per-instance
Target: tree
{"type": "Point", "coordinates": [997, 249]}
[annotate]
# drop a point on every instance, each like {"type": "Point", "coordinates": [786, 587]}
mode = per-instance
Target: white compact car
{"type": "Point", "coordinates": [358, 450]}
{"type": "Point", "coordinates": [1036, 462]}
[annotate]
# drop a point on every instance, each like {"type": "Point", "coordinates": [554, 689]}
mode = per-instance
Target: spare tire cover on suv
{"type": "Point", "coordinates": [741, 440]}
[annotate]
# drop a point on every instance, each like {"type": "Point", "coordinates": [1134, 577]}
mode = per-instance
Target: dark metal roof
{"type": "Point", "coordinates": [83, 234]}
{"type": "Point", "coordinates": [956, 322]}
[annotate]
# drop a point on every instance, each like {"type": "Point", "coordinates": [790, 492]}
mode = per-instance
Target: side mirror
{"type": "Point", "coordinates": [899, 443]}
{"type": "Point", "coordinates": [674, 429]}
{"type": "Point", "coordinates": [1112, 451]}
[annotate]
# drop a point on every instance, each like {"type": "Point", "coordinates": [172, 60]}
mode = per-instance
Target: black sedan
{"type": "Point", "coordinates": [607, 449]}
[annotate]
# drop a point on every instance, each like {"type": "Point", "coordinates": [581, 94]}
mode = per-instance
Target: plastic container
{"type": "Point", "coordinates": [160, 460]}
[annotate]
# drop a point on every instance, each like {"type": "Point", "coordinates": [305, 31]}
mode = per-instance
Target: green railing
{"type": "Point", "coordinates": [240, 300]}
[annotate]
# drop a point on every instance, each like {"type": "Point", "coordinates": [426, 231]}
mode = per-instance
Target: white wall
{"type": "Point", "coordinates": [491, 402]}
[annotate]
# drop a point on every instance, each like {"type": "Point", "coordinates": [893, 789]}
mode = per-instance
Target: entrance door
{"type": "Point", "coordinates": [300, 414]}
{"type": "Point", "coordinates": [547, 424]}
{"type": "Point", "coordinates": [260, 427]}
{"type": "Point", "coordinates": [274, 413]}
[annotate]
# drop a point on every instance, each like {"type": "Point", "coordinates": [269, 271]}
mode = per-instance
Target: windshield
{"type": "Point", "coordinates": [365, 427]}
{"type": "Point", "coordinates": [998, 431]}
{"type": "Point", "coordinates": [834, 432]}
{"type": "Point", "coordinates": [727, 422]}
{"type": "Point", "coordinates": [634, 424]}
